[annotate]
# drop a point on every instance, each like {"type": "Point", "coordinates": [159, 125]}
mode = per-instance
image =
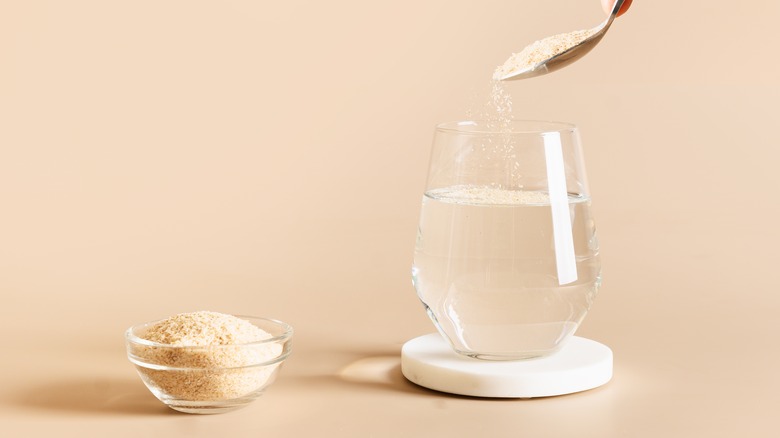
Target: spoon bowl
{"type": "Point", "coordinates": [567, 56]}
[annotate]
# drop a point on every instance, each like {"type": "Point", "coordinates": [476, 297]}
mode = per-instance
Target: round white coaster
{"type": "Point", "coordinates": [580, 365]}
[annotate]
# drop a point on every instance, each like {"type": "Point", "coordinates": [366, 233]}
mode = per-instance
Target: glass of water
{"type": "Point", "coordinates": [506, 261]}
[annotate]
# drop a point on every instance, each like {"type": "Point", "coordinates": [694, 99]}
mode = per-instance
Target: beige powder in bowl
{"type": "Point", "coordinates": [206, 356]}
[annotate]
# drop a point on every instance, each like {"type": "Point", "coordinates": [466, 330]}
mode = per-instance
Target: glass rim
{"type": "Point", "coordinates": [481, 127]}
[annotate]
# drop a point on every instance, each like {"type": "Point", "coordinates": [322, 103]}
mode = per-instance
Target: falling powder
{"type": "Point", "coordinates": [501, 101]}
{"type": "Point", "coordinates": [207, 356]}
{"type": "Point", "coordinates": [495, 110]}
{"type": "Point", "coordinates": [540, 51]}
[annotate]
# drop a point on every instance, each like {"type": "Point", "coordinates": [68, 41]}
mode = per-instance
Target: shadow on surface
{"type": "Point", "coordinates": [383, 371]}
{"type": "Point", "coordinates": [379, 372]}
{"type": "Point", "coordinates": [98, 395]}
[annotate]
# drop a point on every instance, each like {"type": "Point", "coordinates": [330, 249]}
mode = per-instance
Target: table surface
{"type": "Point", "coordinates": [182, 156]}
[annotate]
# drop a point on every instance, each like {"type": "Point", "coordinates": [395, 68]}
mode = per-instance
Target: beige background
{"type": "Point", "coordinates": [268, 158]}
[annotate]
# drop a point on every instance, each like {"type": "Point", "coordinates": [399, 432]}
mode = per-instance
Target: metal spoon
{"type": "Point", "coordinates": [569, 55]}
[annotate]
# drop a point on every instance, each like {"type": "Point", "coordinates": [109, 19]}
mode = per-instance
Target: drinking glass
{"type": "Point", "coordinates": [506, 261]}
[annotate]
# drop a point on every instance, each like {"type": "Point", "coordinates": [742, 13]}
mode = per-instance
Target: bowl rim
{"type": "Point", "coordinates": [286, 334]}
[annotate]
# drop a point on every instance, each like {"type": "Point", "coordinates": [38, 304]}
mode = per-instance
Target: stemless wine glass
{"type": "Point", "coordinates": [507, 260]}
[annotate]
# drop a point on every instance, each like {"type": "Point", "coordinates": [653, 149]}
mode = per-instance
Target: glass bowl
{"type": "Point", "coordinates": [209, 379]}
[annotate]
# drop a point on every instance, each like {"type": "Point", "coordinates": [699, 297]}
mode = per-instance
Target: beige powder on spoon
{"type": "Point", "coordinates": [540, 51]}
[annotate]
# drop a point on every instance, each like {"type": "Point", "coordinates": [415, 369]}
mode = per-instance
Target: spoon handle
{"type": "Point", "coordinates": [615, 9]}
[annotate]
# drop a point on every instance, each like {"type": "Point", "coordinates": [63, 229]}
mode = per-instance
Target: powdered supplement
{"type": "Point", "coordinates": [493, 107]}
{"type": "Point", "coordinates": [208, 356]}
{"type": "Point", "coordinates": [540, 51]}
